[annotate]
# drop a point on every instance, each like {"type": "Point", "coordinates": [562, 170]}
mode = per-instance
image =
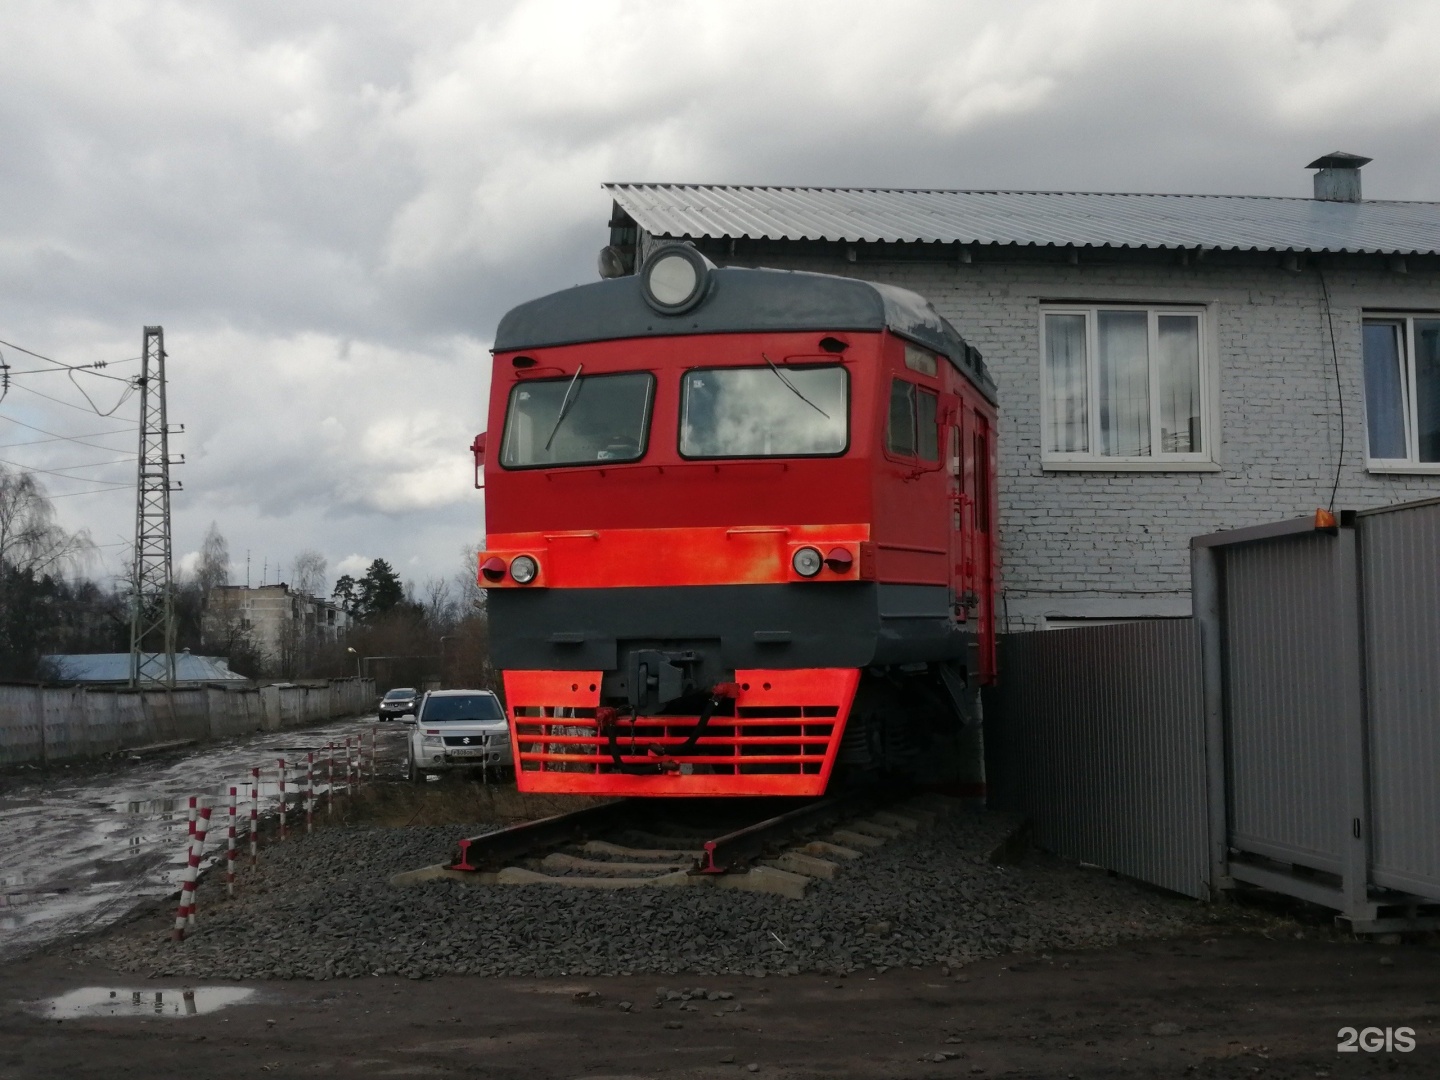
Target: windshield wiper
{"type": "Point", "coordinates": [564, 406]}
{"type": "Point", "coordinates": [793, 388]}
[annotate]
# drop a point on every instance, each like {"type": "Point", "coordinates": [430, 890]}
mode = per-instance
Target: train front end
{"type": "Point", "coordinates": [680, 561]}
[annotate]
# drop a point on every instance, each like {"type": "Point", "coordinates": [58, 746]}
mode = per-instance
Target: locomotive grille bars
{"type": "Point", "coordinates": [781, 736]}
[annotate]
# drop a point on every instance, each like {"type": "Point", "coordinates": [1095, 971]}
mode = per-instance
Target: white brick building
{"type": "Point", "coordinates": [1165, 363]}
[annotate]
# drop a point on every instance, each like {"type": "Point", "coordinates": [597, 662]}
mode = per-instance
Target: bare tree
{"type": "Point", "coordinates": [439, 603]}
{"type": "Point", "coordinates": [214, 566]}
{"type": "Point", "coordinates": [308, 573]}
{"type": "Point", "coordinates": [471, 598]}
{"type": "Point", "coordinates": [34, 554]}
{"type": "Point", "coordinates": [30, 540]}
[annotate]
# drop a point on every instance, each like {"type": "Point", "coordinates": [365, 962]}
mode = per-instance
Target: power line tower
{"type": "Point", "coordinates": [152, 613]}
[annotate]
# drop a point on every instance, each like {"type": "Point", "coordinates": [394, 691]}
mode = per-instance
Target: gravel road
{"type": "Point", "coordinates": [320, 907]}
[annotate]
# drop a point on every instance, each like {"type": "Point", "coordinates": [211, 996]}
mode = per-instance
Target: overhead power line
{"type": "Point", "coordinates": [71, 405]}
{"type": "Point", "coordinates": [77, 438]}
{"type": "Point", "coordinates": [45, 442]}
{"type": "Point", "coordinates": [105, 488]}
{"type": "Point", "coordinates": [53, 472]}
{"type": "Point", "coordinates": [87, 369]}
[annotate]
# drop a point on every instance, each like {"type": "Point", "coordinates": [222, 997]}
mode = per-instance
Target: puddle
{"type": "Point", "coordinates": [111, 1001]}
{"type": "Point", "coordinates": [81, 851]}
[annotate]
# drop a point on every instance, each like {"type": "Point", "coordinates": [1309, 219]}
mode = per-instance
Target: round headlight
{"type": "Point", "coordinates": [493, 569]}
{"type": "Point", "coordinates": [523, 569]}
{"type": "Point", "coordinates": [673, 280]}
{"type": "Point", "coordinates": [806, 561]}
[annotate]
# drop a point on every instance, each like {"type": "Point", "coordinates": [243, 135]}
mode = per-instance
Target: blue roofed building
{"type": "Point", "coordinates": [110, 669]}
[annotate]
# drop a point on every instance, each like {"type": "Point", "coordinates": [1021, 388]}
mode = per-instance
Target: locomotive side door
{"type": "Point", "coordinates": [969, 449]}
{"type": "Point", "coordinates": [979, 583]}
{"type": "Point", "coordinates": [954, 443]}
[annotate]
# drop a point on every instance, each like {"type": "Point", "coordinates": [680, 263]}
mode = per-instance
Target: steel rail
{"type": "Point", "coordinates": [494, 850]}
{"type": "Point", "coordinates": [766, 838]}
{"type": "Point", "coordinates": [728, 853]}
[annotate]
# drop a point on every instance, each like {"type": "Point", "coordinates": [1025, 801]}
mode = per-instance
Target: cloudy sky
{"type": "Point", "coordinates": [329, 205]}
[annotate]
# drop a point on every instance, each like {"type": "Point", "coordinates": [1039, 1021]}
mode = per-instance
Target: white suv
{"type": "Point", "coordinates": [457, 729]}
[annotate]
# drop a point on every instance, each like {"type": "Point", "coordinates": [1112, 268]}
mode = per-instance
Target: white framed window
{"type": "Point", "coordinates": [1402, 392]}
{"type": "Point", "coordinates": [1126, 387]}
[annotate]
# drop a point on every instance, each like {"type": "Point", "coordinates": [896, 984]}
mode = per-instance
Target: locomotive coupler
{"type": "Point", "coordinates": [654, 679]}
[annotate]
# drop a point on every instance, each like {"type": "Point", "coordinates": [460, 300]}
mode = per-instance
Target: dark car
{"type": "Point", "coordinates": [398, 702]}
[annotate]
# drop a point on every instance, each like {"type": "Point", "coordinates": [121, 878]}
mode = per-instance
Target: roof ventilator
{"type": "Point", "coordinates": [1339, 177]}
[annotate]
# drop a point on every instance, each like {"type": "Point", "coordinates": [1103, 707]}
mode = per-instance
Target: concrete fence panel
{"type": "Point", "coordinates": [132, 725]}
{"type": "Point", "coordinates": [102, 721]}
{"type": "Point", "coordinates": [50, 723]}
{"type": "Point", "coordinates": [191, 706]}
{"type": "Point", "coordinates": [21, 732]}
{"type": "Point", "coordinates": [63, 717]}
{"type": "Point", "coordinates": [270, 706]}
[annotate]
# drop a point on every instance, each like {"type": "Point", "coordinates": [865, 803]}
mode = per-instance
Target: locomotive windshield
{"type": "Point", "coordinates": [765, 412]}
{"type": "Point", "coordinates": [577, 420]}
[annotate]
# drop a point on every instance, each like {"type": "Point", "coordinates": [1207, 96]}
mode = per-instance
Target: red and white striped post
{"type": "Point", "coordinates": [185, 914]}
{"type": "Point", "coordinates": [309, 790]}
{"type": "Point", "coordinates": [373, 728]}
{"type": "Point", "coordinates": [202, 827]}
{"type": "Point", "coordinates": [330, 778]}
{"type": "Point", "coordinates": [349, 766]}
{"type": "Point", "coordinates": [254, 815]}
{"type": "Point", "coordinates": [189, 832]}
{"type": "Point", "coordinates": [283, 833]}
{"type": "Point", "coordinates": [230, 847]}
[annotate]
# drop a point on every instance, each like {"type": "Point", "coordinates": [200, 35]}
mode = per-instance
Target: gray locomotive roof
{"type": "Point", "coordinates": [1032, 218]}
{"type": "Point", "coordinates": [739, 300]}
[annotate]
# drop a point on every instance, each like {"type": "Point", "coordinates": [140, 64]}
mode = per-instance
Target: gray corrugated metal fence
{"type": "Point", "coordinates": [1285, 710]}
{"type": "Point", "coordinates": [1288, 736]}
{"type": "Point", "coordinates": [1322, 669]}
{"type": "Point", "coordinates": [1400, 580]}
{"type": "Point", "coordinates": [43, 723]}
{"type": "Point", "coordinates": [1098, 737]}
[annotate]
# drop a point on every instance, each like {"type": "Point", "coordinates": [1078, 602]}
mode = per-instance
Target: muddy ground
{"type": "Point", "coordinates": [1234, 1005]}
{"type": "Point", "coordinates": [1243, 991]}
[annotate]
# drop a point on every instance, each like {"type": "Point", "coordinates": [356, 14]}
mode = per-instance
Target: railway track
{"type": "Point", "coordinates": [734, 844]}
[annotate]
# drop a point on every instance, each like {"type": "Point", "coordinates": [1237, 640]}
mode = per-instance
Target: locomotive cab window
{"type": "Point", "coordinates": [578, 420]}
{"type": "Point", "coordinates": [912, 430]}
{"type": "Point", "coordinates": [771, 411]}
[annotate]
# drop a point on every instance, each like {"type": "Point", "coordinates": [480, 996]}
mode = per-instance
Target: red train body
{"type": "Point", "coordinates": [739, 531]}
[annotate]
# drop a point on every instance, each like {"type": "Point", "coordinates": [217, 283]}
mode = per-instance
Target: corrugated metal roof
{"type": "Point", "coordinates": [115, 667]}
{"type": "Point", "coordinates": [1032, 218]}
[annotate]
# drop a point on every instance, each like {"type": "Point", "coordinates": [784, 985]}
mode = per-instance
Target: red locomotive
{"type": "Point", "coordinates": [740, 531]}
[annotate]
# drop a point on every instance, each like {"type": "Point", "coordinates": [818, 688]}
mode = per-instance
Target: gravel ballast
{"type": "Point", "coordinates": [320, 907]}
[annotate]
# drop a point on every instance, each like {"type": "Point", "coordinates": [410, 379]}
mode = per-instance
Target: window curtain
{"type": "Point", "coordinates": [1384, 390]}
{"type": "Point", "coordinates": [1427, 388]}
{"type": "Point", "coordinates": [1124, 369]}
{"type": "Point", "coordinates": [1069, 421]}
{"type": "Point", "coordinates": [1179, 374]}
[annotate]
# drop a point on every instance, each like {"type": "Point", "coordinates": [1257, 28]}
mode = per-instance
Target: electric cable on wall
{"type": "Point", "coordinates": [1339, 389]}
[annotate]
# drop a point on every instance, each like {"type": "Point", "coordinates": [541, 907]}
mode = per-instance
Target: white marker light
{"type": "Point", "coordinates": [807, 562]}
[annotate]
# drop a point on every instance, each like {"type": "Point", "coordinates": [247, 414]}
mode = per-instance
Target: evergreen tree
{"type": "Point", "coordinates": [381, 590]}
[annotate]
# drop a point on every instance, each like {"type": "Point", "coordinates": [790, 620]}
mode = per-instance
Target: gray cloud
{"type": "Point", "coordinates": [329, 206]}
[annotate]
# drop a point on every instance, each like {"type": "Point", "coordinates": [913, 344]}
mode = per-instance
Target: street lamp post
{"type": "Point", "coordinates": [351, 649]}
